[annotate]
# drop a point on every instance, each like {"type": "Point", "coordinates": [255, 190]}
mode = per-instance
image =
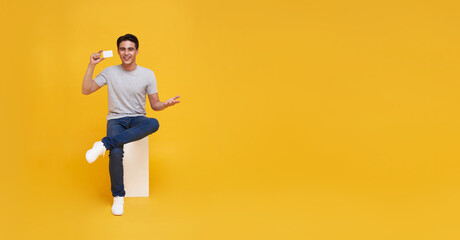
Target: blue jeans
{"type": "Point", "coordinates": [119, 132]}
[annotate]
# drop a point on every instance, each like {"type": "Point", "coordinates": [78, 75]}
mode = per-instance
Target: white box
{"type": "Point", "coordinates": [136, 168]}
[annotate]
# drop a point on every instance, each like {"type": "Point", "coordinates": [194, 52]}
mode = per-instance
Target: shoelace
{"type": "Point", "coordinates": [119, 200]}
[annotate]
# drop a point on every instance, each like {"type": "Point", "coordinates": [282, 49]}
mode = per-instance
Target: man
{"type": "Point", "coordinates": [127, 86]}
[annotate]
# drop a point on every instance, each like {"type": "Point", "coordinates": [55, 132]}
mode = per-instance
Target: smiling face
{"type": "Point", "coordinates": [127, 52]}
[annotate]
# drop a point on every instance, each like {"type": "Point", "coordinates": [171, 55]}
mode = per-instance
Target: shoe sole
{"type": "Point", "coordinates": [117, 214]}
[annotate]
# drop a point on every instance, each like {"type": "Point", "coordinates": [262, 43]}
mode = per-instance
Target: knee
{"type": "Point", "coordinates": [116, 153]}
{"type": "Point", "coordinates": [154, 125]}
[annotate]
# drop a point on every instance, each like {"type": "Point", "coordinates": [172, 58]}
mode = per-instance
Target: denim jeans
{"type": "Point", "coordinates": [119, 132]}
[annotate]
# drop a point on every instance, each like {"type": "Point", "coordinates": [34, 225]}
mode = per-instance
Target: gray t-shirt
{"type": "Point", "coordinates": [127, 90]}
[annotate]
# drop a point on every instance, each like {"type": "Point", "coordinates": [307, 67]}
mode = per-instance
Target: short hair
{"type": "Point", "coordinates": [128, 37]}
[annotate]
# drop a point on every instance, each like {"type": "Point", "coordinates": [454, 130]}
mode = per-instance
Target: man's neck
{"type": "Point", "coordinates": [129, 67]}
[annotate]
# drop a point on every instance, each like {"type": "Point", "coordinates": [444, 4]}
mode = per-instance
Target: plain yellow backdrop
{"type": "Point", "coordinates": [299, 119]}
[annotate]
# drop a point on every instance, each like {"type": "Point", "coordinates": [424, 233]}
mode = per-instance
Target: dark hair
{"type": "Point", "coordinates": [128, 37]}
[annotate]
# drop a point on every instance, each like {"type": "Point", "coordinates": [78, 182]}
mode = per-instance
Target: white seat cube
{"type": "Point", "coordinates": [136, 168]}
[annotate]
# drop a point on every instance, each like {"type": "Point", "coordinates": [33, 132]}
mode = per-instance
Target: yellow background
{"type": "Point", "coordinates": [299, 119]}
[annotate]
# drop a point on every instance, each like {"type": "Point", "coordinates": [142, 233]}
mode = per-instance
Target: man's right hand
{"type": "Point", "coordinates": [89, 85]}
{"type": "Point", "coordinates": [96, 58]}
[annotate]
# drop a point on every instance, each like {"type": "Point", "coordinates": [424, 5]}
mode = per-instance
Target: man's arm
{"type": "Point", "coordinates": [89, 85]}
{"type": "Point", "coordinates": [157, 105]}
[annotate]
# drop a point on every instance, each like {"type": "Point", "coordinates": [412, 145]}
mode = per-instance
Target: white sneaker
{"type": "Point", "coordinates": [117, 207]}
{"type": "Point", "coordinates": [97, 150]}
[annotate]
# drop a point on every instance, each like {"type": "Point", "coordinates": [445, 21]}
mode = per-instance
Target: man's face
{"type": "Point", "coordinates": [127, 51]}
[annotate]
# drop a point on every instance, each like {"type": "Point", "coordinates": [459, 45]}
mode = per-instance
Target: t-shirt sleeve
{"type": "Point", "coordinates": [101, 78]}
{"type": "Point", "coordinates": [152, 85]}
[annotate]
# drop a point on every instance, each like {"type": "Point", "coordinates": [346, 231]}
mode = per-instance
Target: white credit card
{"type": "Point", "coordinates": [106, 54]}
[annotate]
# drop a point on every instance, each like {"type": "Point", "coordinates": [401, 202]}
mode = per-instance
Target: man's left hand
{"type": "Point", "coordinates": [171, 102]}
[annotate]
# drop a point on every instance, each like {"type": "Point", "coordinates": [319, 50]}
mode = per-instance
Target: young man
{"type": "Point", "coordinates": [127, 85]}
